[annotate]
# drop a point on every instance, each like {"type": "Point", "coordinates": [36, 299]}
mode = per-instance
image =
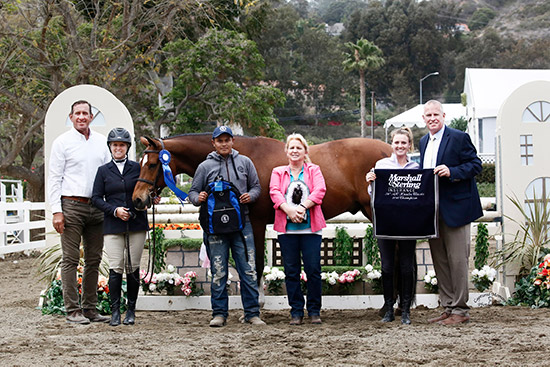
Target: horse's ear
{"type": "Point", "coordinates": [148, 141]}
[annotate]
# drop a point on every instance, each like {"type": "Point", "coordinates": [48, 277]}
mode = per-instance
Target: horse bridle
{"type": "Point", "coordinates": [156, 190]}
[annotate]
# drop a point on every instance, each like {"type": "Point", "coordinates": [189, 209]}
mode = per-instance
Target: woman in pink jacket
{"type": "Point", "coordinates": [297, 191]}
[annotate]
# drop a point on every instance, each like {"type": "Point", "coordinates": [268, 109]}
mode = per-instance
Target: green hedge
{"type": "Point", "coordinates": [487, 174]}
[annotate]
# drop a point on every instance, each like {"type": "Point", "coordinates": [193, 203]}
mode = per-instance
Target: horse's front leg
{"type": "Point", "coordinates": [259, 240]}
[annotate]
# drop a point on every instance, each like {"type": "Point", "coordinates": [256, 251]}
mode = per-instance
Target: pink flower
{"type": "Point", "coordinates": [187, 291]}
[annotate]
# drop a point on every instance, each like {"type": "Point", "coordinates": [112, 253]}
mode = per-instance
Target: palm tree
{"type": "Point", "coordinates": [363, 55]}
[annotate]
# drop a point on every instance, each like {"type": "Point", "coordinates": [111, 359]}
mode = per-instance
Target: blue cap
{"type": "Point", "coordinates": [222, 130]}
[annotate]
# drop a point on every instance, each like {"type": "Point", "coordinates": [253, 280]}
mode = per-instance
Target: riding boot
{"type": "Point", "coordinates": [115, 285]}
{"type": "Point", "coordinates": [132, 281]}
{"type": "Point", "coordinates": [387, 285]}
{"type": "Point", "coordinates": [407, 284]}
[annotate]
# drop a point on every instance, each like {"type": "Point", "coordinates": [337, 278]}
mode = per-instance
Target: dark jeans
{"type": "Point", "coordinates": [218, 253]}
{"type": "Point", "coordinates": [406, 267]}
{"type": "Point", "coordinates": [83, 222]}
{"type": "Point", "coordinates": [309, 246]}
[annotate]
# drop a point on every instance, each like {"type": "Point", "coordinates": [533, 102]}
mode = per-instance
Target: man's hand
{"type": "Point", "coordinates": [203, 196]}
{"type": "Point", "coordinates": [442, 171]}
{"type": "Point", "coordinates": [58, 222]}
{"type": "Point", "coordinates": [244, 198]}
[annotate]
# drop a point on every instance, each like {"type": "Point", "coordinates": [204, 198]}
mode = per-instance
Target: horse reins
{"type": "Point", "coordinates": [152, 193]}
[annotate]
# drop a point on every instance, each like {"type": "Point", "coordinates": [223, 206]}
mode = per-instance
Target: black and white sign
{"type": "Point", "coordinates": [405, 204]}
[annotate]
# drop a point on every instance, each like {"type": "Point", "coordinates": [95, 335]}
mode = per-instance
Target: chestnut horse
{"type": "Point", "coordinates": [344, 164]}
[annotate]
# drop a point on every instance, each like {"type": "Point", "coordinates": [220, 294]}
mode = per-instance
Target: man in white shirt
{"type": "Point", "coordinates": [74, 159]}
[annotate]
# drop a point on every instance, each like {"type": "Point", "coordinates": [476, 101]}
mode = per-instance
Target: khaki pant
{"type": "Point", "coordinates": [450, 253]}
{"type": "Point", "coordinates": [83, 222]}
{"type": "Point", "coordinates": [115, 249]}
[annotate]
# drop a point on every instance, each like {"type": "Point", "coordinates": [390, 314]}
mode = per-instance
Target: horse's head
{"type": "Point", "coordinates": [150, 181]}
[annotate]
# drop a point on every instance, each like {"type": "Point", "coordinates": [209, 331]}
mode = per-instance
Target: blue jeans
{"type": "Point", "coordinates": [309, 246]}
{"type": "Point", "coordinates": [218, 252]}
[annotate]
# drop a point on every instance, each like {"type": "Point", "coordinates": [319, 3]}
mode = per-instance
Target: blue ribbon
{"type": "Point", "coordinates": [164, 157]}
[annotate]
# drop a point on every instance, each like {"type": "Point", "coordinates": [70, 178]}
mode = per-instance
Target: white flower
{"type": "Point", "coordinates": [431, 273]}
{"type": "Point", "coordinates": [170, 268]}
{"type": "Point", "coordinates": [267, 270]}
{"type": "Point", "coordinates": [324, 276]}
{"type": "Point", "coordinates": [152, 287]}
{"type": "Point", "coordinates": [481, 273]}
{"type": "Point", "coordinates": [369, 268]}
{"type": "Point", "coordinates": [434, 281]}
{"type": "Point", "coordinates": [475, 272]}
{"type": "Point", "coordinates": [332, 281]}
{"type": "Point", "coordinates": [269, 277]}
{"type": "Point", "coordinates": [427, 278]}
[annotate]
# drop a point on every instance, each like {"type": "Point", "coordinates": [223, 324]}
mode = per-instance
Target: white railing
{"type": "Point", "coordinates": [15, 227]}
{"type": "Point", "coordinates": [11, 191]}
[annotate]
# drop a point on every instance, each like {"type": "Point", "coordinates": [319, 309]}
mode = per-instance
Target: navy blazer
{"type": "Point", "coordinates": [113, 189]}
{"type": "Point", "coordinates": [459, 202]}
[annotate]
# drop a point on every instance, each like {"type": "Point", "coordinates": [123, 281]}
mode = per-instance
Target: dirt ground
{"type": "Point", "coordinates": [503, 336]}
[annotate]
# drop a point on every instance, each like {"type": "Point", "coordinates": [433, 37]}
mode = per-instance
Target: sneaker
{"type": "Point", "coordinates": [76, 317]}
{"type": "Point", "coordinates": [94, 316]}
{"type": "Point", "coordinates": [255, 320]}
{"type": "Point", "coordinates": [316, 320]}
{"type": "Point", "coordinates": [217, 321]}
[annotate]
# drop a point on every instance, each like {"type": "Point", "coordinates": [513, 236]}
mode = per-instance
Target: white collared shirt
{"type": "Point", "coordinates": [73, 165]}
{"type": "Point", "coordinates": [432, 148]}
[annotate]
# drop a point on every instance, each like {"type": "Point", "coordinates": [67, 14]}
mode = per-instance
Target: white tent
{"type": "Point", "coordinates": [413, 117]}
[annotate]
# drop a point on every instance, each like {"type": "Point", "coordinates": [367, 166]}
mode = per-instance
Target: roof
{"type": "Point", "coordinates": [413, 117]}
{"type": "Point", "coordinates": [487, 89]}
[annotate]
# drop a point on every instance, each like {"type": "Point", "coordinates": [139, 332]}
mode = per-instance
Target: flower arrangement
{"type": "Point", "coordinates": [374, 277]}
{"type": "Point", "coordinates": [52, 298]}
{"type": "Point", "coordinates": [177, 226]}
{"type": "Point", "coordinates": [483, 278]}
{"type": "Point", "coordinates": [543, 274]}
{"type": "Point", "coordinates": [430, 281]}
{"type": "Point", "coordinates": [274, 279]}
{"type": "Point", "coordinates": [168, 281]}
{"type": "Point", "coordinates": [347, 279]}
{"type": "Point", "coordinates": [534, 289]}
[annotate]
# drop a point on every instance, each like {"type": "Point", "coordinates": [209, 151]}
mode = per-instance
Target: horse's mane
{"type": "Point", "coordinates": [205, 134]}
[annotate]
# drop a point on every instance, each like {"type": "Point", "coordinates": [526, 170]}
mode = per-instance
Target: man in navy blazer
{"type": "Point", "coordinates": [454, 159]}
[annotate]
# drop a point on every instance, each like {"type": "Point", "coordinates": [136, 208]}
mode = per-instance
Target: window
{"type": "Point", "coordinates": [537, 112]}
{"type": "Point", "coordinates": [537, 193]}
{"type": "Point", "coordinates": [526, 149]}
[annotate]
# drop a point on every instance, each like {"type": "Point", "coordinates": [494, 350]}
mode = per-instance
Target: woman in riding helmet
{"type": "Point", "coordinates": [124, 228]}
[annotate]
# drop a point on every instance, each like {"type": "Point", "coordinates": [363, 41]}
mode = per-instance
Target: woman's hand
{"type": "Point", "coordinates": [370, 177]}
{"type": "Point", "coordinates": [122, 213]}
{"type": "Point", "coordinates": [295, 213]}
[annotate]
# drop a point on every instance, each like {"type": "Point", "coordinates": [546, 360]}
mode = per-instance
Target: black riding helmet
{"type": "Point", "coordinates": [119, 134]}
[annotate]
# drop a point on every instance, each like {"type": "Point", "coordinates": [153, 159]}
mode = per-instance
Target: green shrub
{"type": "Point", "coordinates": [482, 246]}
{"type": "Point", "coordinates": [486, 190]}
{"type": "Point", "coordinates": [370, 248]}
{"type": "Point", "coordinates": [487, 174]}
{"type": "Point", "coordinates": [343, 247]}
{"type": "Point", "coordinates": [184, 243]}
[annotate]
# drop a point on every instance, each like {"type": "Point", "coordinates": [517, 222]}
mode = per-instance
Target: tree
{"type": "Point", "coordinates": [47, 46]}
{"type": "Point", "coordinates": [305, 63]}
{"type": "Point", "coordinates": [218, 78]}
{"type": "Point", "coordinates": [362, 56]}
{"type": "Point", "coordinates": [414, 37]}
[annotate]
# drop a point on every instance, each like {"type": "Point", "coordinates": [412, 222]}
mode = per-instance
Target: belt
{"type": "Point", "coordinates": [80, 199]}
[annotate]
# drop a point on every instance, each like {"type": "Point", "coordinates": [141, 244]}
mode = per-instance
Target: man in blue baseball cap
{"type": "Point", "coordinates": [227, 164]}
{"type": "Point", "coordinates": [222, 130]}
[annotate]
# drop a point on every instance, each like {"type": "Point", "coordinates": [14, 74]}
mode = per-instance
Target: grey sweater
{"type": "Point", "coordinates": [216, 165]}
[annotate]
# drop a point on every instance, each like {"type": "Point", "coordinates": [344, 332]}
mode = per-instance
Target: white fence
{"type": "Point", "coordinates": [15, 227]}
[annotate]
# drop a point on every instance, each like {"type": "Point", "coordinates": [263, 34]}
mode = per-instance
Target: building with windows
{"type": "Point", "coordinates": [522, 151]}
{"type": "Point", "coordinates": [485, 90]}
